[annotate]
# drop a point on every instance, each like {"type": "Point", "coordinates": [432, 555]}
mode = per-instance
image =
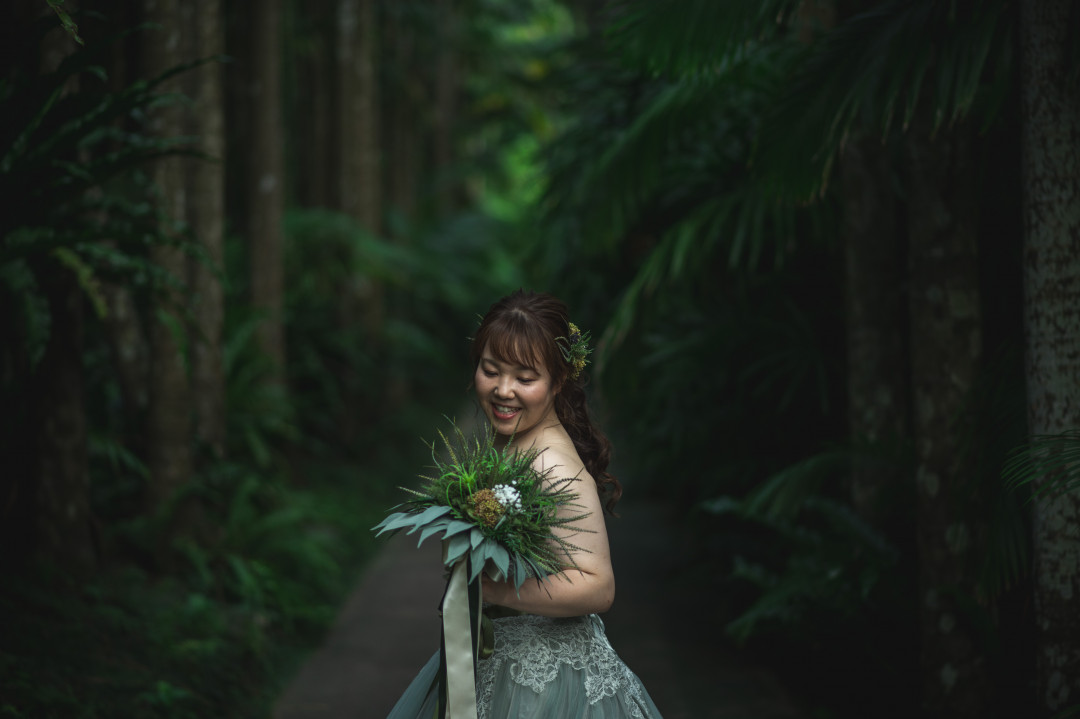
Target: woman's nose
{"type": "Point", "coordinates": [504, 387]}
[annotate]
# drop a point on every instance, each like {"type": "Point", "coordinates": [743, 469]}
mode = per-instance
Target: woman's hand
{"type": "Point", "coordinates": [495, 592]}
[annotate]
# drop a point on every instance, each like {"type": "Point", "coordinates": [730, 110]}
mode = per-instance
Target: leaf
{"type": "Point", "coordinates": [456, 549]}
{"type": "Point", "coordinates": [456, 526]}
{"type": "Point", "coordinates": [479, 557]}
{"type": "Point", "coordinates": [433, 528]}
{"type": "Point", "coordinates": [501, 558]}
{"type": "Point", "coordinates": [65, 20]}
{"type": "Point", "coordinates": [1050, 462]}
{"type": "Point", "coordinates": [521, 571]}
{"type": "Point", "coordinates": [430, 514]}
{"type": "Point", "coordinates": [394, 522]}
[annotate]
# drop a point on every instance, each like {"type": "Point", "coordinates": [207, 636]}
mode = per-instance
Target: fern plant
{"type": "Point", "coordinates": [71, 151]}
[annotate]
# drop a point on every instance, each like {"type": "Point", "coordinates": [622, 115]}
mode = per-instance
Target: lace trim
{"type": "Point", "coordinates": [531, 649]}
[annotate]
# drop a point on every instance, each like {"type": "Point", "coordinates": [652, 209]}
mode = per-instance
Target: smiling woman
{"type": "Point", "coordinates": [518, 400]}
{"type": "Point", "coordinates": [551, 657]}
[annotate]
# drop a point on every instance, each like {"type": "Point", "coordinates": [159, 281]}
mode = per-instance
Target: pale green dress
{"type": "Point", "coordinates": [542, 668]}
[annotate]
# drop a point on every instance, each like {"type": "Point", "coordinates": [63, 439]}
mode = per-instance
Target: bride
{"type": "Point", "coordinates": [551, 658]}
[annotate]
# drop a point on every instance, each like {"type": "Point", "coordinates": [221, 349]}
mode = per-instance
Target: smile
{"type": "Point", "coordinates": [504, 412]}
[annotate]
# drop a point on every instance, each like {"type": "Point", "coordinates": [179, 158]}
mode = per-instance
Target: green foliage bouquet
{"type": "Point", "coordinates": [493, 508]}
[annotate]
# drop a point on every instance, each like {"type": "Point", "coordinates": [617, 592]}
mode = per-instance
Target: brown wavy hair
{"type": "Point", "coordinates": [524, 328]}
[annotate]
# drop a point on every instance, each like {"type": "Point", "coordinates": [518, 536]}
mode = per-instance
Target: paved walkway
{"type": "Point", "coordinates": [388, 628]}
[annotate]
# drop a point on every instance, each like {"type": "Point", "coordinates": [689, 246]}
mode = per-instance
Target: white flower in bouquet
{"type": "Point", "coordinates": [508, 497]}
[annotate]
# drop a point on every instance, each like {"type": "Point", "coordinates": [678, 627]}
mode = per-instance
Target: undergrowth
{"type": "Point", "coordinates": [221, 633]}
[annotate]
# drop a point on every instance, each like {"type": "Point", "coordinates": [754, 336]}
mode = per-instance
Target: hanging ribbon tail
{"type": "Point", "coordinates": [461, 618]}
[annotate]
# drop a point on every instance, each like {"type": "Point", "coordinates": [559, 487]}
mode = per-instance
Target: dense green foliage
{"type": "Point", "coordinates": [209, 622]}
{"type": "Point", "coordinates": [696, 217]}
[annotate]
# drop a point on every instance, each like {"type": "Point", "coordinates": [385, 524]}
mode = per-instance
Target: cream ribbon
{"type": "Point", "coordinates": [459, 647]}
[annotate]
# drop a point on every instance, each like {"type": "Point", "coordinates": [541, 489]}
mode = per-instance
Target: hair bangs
{"type": "Point", "coordinates": [516, 338]}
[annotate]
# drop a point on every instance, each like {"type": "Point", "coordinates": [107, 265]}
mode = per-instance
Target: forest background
{"type": "Point", "coordinates": [830, 252]}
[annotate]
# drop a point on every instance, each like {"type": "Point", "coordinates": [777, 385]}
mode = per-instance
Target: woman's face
{"type": "Point", "coordinates": [516, 399]}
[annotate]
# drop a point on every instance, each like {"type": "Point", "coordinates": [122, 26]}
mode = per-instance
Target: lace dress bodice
{"type": "Point", "coordinates": [542, 668]}
{"type": "Point", "coordinates": [531, 650]}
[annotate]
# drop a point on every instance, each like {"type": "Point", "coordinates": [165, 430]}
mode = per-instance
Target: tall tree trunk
{"type": "Point", "coordinates": [1051, 181]}
{"type": "Point", "coordinates": [207, 213]}
{"type": "Point", "coordinates": [446, 101]}
{"type": "Point", "coordinates": [64, 529]}
{"type": "Point", "coordinates": [358, 93]}
{"type": "Point", "coordinates": [169, 416]}
{"type": "Point", "coordinates": [946, 347]}
{"type": "Point", "coordinates": [360, 303]}
{"type": "Point", "coordinates": [877, 360]}
{"type": "Point", "coordinates": [316, 151]}
{"type": "Point", "coordinates": [404, 101]}
{"type": "Point", "coordinates": [123, 328]}
{"type": "Point", "coordinates": [264, 209]}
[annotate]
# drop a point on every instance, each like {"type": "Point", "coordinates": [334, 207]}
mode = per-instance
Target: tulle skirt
{"type": "Point", "coordinates": [542, 668]}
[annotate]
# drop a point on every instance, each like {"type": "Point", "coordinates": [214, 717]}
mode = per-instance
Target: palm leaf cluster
{"type": "Point", "coordinates": [517, 540]}
{"type": "Point", "coordinates": [1050, 462]}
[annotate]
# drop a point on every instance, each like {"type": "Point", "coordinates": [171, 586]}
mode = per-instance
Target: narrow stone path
{"type": "Point", "coordinates": [389, 627]}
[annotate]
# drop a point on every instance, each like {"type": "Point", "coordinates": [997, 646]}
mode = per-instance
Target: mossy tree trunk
{"type": "Point", "coordinates": [263, 175]}
{"type": "Point", "coordinates": [315, 153]}
{"type": "Point", "coordinates": [360, 297]}
{"type": "Point", "coordinates": [207, 214]}
{"type": "Point", "coordinates": [946, 350]}
{"type": "Point", "coordinates": [1051, 182]}
{"type": "Point", "coordinates": [64, 523]}
{"type": "Point", "coordinates": [876, 320]}
{"type": "Point", "coordinates": [169, 412]}
{"type": "Point", "coordinates": [406, 94]}
{"type": "Point", "coordinates": [447, 88]}
{"type": "Point", "coordinates": [65, 534]}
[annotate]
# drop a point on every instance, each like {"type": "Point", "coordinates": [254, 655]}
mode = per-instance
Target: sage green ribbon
{"type": "Point", "coordinates": [461, 627]}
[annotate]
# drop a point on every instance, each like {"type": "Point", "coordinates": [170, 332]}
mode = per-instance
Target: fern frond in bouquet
{"type": "Point", "coordinates": [494, 508]}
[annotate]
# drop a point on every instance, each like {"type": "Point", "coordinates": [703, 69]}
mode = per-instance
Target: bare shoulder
{"type": "Point", "coordinates": [559, 462]}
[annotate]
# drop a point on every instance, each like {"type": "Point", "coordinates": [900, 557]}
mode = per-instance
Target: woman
{"type": "Point", "coordinates": [551, 658]}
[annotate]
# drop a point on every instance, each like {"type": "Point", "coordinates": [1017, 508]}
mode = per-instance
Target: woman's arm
{"type": "Point", "coordinates": [587, 589]}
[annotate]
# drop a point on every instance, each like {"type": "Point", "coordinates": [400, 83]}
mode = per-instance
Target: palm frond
{"type": "Point", "coordinates": [691, 36]}
{"type": "Point", "coordinates": [874, 72]}
{"type": "Point", "coordinates": [689, 135]}
{"type": "Point", "coordinates": [1050, 463]}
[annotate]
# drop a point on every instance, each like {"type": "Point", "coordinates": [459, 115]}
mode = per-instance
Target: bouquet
{"type": "Point", "coordinates": [495, 510]}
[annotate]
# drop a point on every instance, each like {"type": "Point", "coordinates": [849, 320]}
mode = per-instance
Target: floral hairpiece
{"type": "Point", "coordinates": [575, 349]}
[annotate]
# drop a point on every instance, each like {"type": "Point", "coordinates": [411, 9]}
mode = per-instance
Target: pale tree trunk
{"type": "Point", "coordinates": [317, 151]}
{"type": "Point", "coordinates": [1051, 181]}
{"type": "Point", "coordinates": [65, 527]}
{"type": "Point", "coordinates": [406, 98]}
{"type": "Point", "coordinates": [358, 96]}
{"type": "Point", "coordinates": [446, 101]}
{"type": "Point", "coordinates": [207, 213]}
{"type": "Point", "coordinates": [123, 328]}
{"type": "Point", "coordinates": [946, 348]}
{"type": "Point", "coordinates": [877, 360]}
{"type": "Point", "coordinates": [360, 299]}
{"type": "Point", "coordinates": [169, 414]}
{"type": "Point", "coordinates": [64, 522]}
{"type": "Point", "coordinates": [264, 174]}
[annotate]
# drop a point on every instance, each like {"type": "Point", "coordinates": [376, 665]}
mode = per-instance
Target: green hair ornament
{"type": "Point", "coordinates": [575, 350]}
